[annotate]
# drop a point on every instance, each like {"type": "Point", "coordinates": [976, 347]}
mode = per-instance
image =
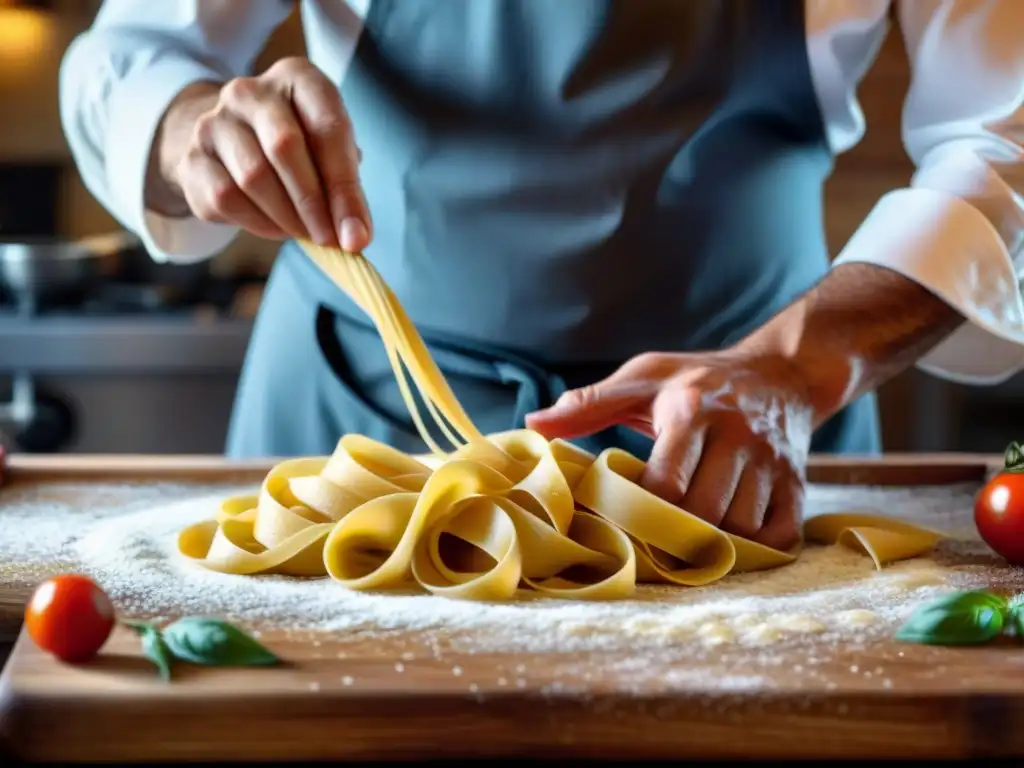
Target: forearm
{"type": "Point", "coordinates": [857, 328]}
{"type": "Point", "coordinates": [118, 79]}
{"type": "Point", "coordinates": [163, 194]}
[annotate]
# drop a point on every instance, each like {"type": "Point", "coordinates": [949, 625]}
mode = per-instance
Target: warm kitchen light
{"type": "Point", "coordinates": [24, 34]}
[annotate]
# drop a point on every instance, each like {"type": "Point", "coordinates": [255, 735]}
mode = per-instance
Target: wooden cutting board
{"type": "Point", "coordinates": [398, 697]}
{"type": "Point", "coordinates": [362, 707]}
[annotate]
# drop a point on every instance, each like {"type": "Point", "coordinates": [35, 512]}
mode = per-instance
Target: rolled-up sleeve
{"type": "Point", "coordinates": [116, 82]}
{"type": "Point", "coordinates": [958, 228]}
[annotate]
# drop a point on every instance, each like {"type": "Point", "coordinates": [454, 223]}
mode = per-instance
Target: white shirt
{"type": "Point", "coordinates": [957, 229]}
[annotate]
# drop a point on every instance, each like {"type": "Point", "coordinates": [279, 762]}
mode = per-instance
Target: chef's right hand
{"type": "Point", "coordinates": [274, 154]}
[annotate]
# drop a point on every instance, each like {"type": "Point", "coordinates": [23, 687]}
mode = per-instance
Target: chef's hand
{"type": "Point", "coordinates": [731, 433]}
{"type": "Point", "coordinates": [274, 154]}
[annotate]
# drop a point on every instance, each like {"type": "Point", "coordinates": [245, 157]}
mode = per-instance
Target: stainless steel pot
{"type": "Point", "coordinates": [42, 268]}
{"type": "Point", "coordinates": [34, 271]}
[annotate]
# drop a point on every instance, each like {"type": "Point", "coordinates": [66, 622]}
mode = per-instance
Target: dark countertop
{"type": "Point", "coordinates": [124, 344]}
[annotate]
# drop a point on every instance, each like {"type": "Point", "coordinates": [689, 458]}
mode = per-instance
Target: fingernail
{"type": "Point", "coordinates": [354, 235]}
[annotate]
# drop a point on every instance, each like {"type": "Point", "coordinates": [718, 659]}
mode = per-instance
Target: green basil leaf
{"type": "Point", "coordinates": [154, 647]}
{"type": "Point", "coordinates": [978, 598]}
{"type": "Point", "coordinates": [969, 624]}
{"type": "Point", "coordinates": [1013, 458]}
{"type": "Point", "coordinates": [216, 643]}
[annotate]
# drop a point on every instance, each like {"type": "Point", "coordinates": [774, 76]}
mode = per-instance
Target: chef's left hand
{"type": "Point", "coordinates": [731, 435]}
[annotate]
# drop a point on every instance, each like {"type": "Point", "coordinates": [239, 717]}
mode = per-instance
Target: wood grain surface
{"type": "Point", "coordinates": [396, 697]}
{"type": "Point", "coordinates": [942, 703]}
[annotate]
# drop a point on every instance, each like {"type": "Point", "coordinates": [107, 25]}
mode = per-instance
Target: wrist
{"type": "Point", "coordinates": [823, 374]}
{"type": "Point", "coordinates": [860, 326]}
{"type": "Point", "coordinates": [163, 189]}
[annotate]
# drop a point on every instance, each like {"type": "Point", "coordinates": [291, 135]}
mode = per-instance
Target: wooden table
{"type": "Point", "coordinates": [352, 705]}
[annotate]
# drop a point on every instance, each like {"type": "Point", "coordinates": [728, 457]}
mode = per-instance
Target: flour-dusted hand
{"type": "Point", "coordinates": [274, 154]}
{"type": "Point", "coordinates": [731, 433]}
{"type": "Point", "coordinates": [732, 429]}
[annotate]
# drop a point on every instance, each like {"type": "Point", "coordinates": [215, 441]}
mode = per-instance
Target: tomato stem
{"type": "Point", "coordinates": [1013, 458]}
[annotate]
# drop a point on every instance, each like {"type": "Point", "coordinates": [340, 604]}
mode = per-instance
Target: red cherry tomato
{"type": "Point", "coordinates": [999, 508]}
{"type": "Point", "coordinates": [70, 617]}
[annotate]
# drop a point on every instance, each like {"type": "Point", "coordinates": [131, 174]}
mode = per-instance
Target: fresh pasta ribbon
{"type": "Point", "coordinates": [495, 514]}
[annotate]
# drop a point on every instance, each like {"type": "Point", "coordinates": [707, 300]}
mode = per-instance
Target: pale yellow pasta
{"type": "Point", "coordinates": [494, 514]}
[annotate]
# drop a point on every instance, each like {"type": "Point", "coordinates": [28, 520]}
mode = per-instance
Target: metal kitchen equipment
{"type": "Point", "coordinates": [104, 350]}
{"type": "Point", "coordinates": [45, 269]}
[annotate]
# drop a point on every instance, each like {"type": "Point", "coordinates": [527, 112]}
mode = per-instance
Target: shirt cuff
{"type": "Point", "coordinates": [948, 246]}
{"type": "Point", "coordinates": [137, 107]}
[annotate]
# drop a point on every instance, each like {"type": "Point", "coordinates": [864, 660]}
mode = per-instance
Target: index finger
{"type": "Point", "coordinates": [281, 136]}
{"type": "Point", "coordinates": [333, 146]}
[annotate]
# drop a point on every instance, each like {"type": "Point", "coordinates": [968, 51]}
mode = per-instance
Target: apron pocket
{"type": "Point", "coordinates": [493, 389]}
{"type": "Point", "coordinates": [352, 407]}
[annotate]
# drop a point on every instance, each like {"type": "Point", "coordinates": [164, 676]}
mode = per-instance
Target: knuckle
{"type": "Point", "coordinates": [206, 123]}
{"type": "Point", "coordinates": [193, 157]}
{"type": "Point", "coordinates": [736, 428]}
{"type": "Point", "coordinates": [282, 143]}
{"type": "Point", "coordinates": [743, 528]}
{"type": "Point", "coordinates": [200, 207]}
{"type": "Point", "coordinates": [681, 406]}
{"type": "Point", "coordinates": [683, 475]}
{"type": "Point", "coordinates": [667, 483]}
{"type": "Point", "coordinates": [713, 512]}
{"type": "Point", "coordinates": [783, 537]}
{"type": "Point", "coordinates": [204, 212]}
{"type": "Point", "coordinates": [223, 197]}
{"type": "Point", "coordinates": [706, 503]}
{"type": "Point", "coordinates": [329, 123]}
{"type": "Point", "coordinates": [646, 363]}
{"type": "Point", "coordinates": [238, 90]}
{"type": "Point", "coordinates": [662, 483]}
{"type": "Point", "coordinates": [203, 208]}
{"type": "Point", "coordinates": [755, 448]}
{"type": "Point", "coordinates": [347, 191]}
{"type": "Point", "coordinates": [689, 400]}
{"type": "Point", "coordinates": [646, 359]}
{"type": "Point", "coordinates": [309, 203]}
{"type": "Point", "coordinates": [788, 482]}
{"type": "Point", "coordinates": [253, 175]}
{"type": "Point", "coordinates": [583, 396]}
{"type": "Point", "coordinates": [288, 67]}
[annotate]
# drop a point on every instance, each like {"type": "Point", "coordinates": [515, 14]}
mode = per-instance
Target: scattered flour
{"type": "Point", "coordinates": [124, 536]}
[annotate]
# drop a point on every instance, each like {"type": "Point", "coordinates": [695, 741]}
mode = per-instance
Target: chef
{"type": "Point", "coordinates": [604, 216]}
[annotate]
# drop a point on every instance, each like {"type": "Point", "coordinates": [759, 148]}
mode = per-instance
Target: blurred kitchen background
{"type": "Point", "coordinates": [115, 354]}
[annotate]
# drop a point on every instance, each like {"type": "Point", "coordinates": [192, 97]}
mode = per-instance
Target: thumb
{"type": "Point", "coordinates": [590, 409]}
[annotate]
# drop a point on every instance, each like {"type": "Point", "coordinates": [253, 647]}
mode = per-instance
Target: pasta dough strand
{"type": "Point", "coordinates": [363, 281]}
{"type": "Point", "coordinates": [495, 514]}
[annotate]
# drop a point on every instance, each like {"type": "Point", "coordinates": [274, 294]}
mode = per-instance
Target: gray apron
{"type": "Point", "coordinates": [556, 187]}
